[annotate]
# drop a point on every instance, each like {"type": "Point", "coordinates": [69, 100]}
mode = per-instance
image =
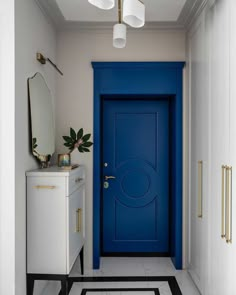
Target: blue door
{"type": "Point", "coordinates": [135, 206]}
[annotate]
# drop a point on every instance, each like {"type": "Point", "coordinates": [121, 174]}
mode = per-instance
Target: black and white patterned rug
{"type": "Point", "coordinates": [153, 285]}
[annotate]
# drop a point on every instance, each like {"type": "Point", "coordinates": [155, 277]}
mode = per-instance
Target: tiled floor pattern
{"type": "Point", "coordinates": [145, 267]}
{"type": "Point", "coordinates": [128, 291]}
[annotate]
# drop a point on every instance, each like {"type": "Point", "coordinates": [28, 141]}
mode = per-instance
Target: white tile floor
{"type": "Point", "coordinates": [153, 266]}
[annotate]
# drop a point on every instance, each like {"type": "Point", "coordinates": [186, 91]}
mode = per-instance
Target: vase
{"type": "Point", "coordinates": [64, 160]}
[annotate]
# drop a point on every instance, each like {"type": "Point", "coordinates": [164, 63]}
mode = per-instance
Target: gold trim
{"type": "Point", "coordinates": [119, 11]}
{"type": "Point", "coordinates": [200, 163]}
{"type": "Point", "coordinates": [45, 187]}
{"type": "Point", "coordinates": [223, 170]}
{"type": "Point", "coordinates": [79, 220]}
{"type": "Point", "coordinates": [228, 231]}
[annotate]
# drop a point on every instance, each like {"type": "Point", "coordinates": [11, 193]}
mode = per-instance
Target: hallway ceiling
{"type": "Point", "coordinates": [156, 10]}
{"type": "Point", "coordinates": [81, 14]}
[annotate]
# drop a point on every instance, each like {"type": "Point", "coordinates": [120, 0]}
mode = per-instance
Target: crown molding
{"type": "Point", "coordinates": [53, 13]}
{"type": "Point", "coordinates": [196, 12]}
{"type": "Point", "coordinates": [107, 26]}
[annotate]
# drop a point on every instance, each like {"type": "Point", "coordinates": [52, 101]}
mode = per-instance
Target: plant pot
{"type": "Point", "coordinates": [64, 160]}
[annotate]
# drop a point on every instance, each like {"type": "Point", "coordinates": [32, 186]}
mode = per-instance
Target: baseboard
{"type": "Point", "coordinates": [195, 280]}
{"type": "Point", "coordinates": [135, 254]}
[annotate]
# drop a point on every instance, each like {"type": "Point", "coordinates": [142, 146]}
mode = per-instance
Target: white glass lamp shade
{"type": "Point", "coordinates": [119, 36]}
{"type": "Point", "coordinates": [103, 4]}
{"type": "Point", "coordinates": [134, 13]}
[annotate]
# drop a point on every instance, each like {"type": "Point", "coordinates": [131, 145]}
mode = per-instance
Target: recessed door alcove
{"type": "Point", "coordinates": [150, 80]}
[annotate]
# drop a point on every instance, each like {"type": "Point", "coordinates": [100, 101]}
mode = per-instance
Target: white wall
{"type": "Point", "coordinates": [74, 107]}
{"type": "Point", "coordinates": [33, 33]}
{"type": "Point", "coordinates": [7, 148]}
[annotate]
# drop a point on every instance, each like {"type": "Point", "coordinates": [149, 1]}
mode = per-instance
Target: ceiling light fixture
{"type": "Point", "coordinates": [133, 15]}
{"type": "Point", "coordinates": [119, 31]}
{"type": "Point", "coordinates": [103, 4]}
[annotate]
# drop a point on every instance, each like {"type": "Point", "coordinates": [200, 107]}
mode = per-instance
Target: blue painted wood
{"type": "Point", "coordinates": [136, 149]}
{"type": "Point", "coordinates": [147, 79]}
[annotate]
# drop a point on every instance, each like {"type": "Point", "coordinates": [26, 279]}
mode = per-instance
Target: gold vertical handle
{"type": "Point", "coordinates": [228, 229]}
{"type": "Point", "coordinates": [199, 214]}
{"type": "Point", "coordinates": [79, 220]}
{"type": "Point", "coordinates": [223, 170]}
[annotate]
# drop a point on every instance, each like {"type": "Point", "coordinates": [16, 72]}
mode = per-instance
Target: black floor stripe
{"type": "Point", "coordinates": [171, 280]}
{"type": "Point", "coordinates": [154, 290]}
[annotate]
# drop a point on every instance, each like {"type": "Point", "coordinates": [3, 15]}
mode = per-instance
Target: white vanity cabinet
{"type": "Point", "coordinates": [55, 220]}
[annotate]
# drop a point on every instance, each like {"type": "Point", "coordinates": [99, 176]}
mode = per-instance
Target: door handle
{"type": "Point", "coordinates": [228, 231]}
{"type": "Point", "coordinates": [223, 188]}
{"type": "Point", "coordinates": [200, 163]}
{"type": "Point", "coordinates": [106, 177]}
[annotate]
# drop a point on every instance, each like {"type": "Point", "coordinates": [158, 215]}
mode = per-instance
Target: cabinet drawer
{"type": "Point", "coordinates": [75, 205]}
{"type": "Point", "coordinates": [76, 180]}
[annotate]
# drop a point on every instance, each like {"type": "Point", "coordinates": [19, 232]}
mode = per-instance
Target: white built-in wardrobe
{"type": "Point", "coordinates": [212, 157]}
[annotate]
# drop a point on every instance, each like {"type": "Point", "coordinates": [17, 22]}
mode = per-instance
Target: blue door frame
{"type": "Point", "coordinates": [145, 79]}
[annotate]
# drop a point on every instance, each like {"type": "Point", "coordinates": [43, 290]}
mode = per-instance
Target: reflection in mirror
{"type": "Point", "coordinates": [42, 122]}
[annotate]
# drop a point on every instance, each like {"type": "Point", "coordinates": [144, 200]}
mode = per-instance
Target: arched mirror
{"type": "Point", "coordinates": [42, 121]}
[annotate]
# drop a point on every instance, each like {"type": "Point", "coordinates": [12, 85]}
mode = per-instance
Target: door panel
{"type": "Point", "coordinates": [136, 203]}
{"type": "Point", "coordinates": [220, 250]}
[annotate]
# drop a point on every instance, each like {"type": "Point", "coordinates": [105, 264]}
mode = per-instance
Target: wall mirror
{"type": "Point", "coordinates": [42, 120]}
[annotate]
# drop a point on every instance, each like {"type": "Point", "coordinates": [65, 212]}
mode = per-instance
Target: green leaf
{"type": "Point", "coordinates": [34, 146]}
{"type": "Point", "coordinates": [86, 137]}
{"type": "Point", "coordinates": [34, 140]}
{"type": "Point", "coordinates": [80, 149]}
{"type": "Point", "coordinates": [67, 139]}
{"type": "Point", "coordinates": [80, 133]}
{"type": "Point", "coordinates": [67, 144]}
{"type": "Point", "coordinates": [86, 150]}
{"type": "Point", "coordinates": [87, 144]}
{"type": "Point", "coordinates": [72, 133]}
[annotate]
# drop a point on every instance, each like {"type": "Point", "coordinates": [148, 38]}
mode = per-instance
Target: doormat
{"type": "Point", "coordinates": [171, 280]}
{"type": "Point", "coordinates": [150, 291]}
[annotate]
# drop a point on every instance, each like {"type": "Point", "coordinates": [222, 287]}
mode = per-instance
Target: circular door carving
{"type": "Point", "coordinates": [136, 183]}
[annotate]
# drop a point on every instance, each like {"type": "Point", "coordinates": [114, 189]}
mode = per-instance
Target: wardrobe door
{"type": "Point", "coordinates": [199, 155]}
{"type": "Point", "coordinates": [219, 249]}
{"type": "Point", "coordinates": [232, 161]}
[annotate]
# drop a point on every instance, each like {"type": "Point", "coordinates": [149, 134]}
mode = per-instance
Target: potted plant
{"type": "Point", "coordinates": [74, 141]}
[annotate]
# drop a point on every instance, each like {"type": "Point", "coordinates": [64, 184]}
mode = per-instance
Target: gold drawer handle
{"type": "Point", "coordinates": [200, 189]}
{"type": "Point", "coordinates": [228, 228]}
{"type": "Point", "coordinates": [45, 187]}
{"type": "Point", "coordinates": [79, 220]}
{"type": "Point", "coordinates": [223, 188]}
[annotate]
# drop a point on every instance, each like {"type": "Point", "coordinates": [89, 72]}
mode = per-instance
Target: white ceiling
{"type": "Point", "coordinates": [156, 11]}
{"type": "Point", "coordinates": [78, 14]}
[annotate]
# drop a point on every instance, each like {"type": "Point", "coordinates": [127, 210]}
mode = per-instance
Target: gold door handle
{"type": "Point", "coordinates": [109, 177]}
{"type": "Point", "coordinates": [228, 228]}
{"type": "Point", "coordinates": [79, 220]}
{"type": "Point", "coordinates": [45, 186]}
{"type": "Point", "coordinates": [223, 172]}
{"type": "Point", "coordinates": [199, 214]}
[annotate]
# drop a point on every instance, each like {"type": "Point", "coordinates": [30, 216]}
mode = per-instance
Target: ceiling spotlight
{"type": "Point", "coordinates": [119, 30]}
{"type": "Point", "coordinates": [119, 36]}
{"type": "Point", "coordinates": [134, 13]}
{"type": "Point", "coordinates": [103, 4]}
